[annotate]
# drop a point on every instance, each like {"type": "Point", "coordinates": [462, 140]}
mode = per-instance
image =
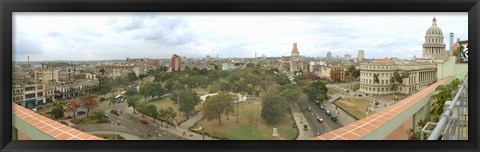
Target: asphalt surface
{"type": "Point", "coordinates": [130, 124]}
{"type": "Point", "coordinates": [319, 128]}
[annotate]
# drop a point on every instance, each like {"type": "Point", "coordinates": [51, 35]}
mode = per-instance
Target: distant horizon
{"type": "Point", "coordinates": [103, 36]}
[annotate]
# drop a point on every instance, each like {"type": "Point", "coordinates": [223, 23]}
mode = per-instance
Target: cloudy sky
{"type": "Point", "coordinates": [100, 36]}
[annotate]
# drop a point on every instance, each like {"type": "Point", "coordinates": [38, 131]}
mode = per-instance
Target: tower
{"type": "Point", "coordinates": [295, 59]}
{"type": "Point", "coordinates": [451, 44]}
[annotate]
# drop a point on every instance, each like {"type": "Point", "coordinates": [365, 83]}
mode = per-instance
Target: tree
{"type": "Point", "coordinates": [151, 110]}
{"type": "Point", "coordinates": [57, 111]}
{"type": "Point", "coordinates": [375, 78]}
{"type": "Point", "coordinates": [444, 93]}
{"type": "Point", "coordinates": [131, 77]}
{"type": "Point", "coordinates": [74, 105]}
{"type": "Point", "coordinates": [171, 114]}
{"type": "Point", "coordinates": [292, 95]}
{"type": "Point", "coordinates": [273, 108]}
{"type": "Point", "coordinates": [102, 71]}
{"type": "Point", "coordinates": [397, 79]}
{"type": "Point", "coordinates": [189, 100]}
{"type": "Point", "coordinates": [316, 90]}
{"type": "Point", "coordinates": [89, 101]}
{"type": "Point", "coordinates": [141, 107]}
{"type": "Point", "coordinates": [215, 106]}
{"type": "Point", "coordinates": [133, 101]}
{"type": "Point", "coordinates": [99, 115]}
{"type": "Point", "coordinates": [162, 115]}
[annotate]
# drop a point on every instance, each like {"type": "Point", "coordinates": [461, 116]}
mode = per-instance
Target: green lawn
{"type": "Point", "coordinates": [245, 130]}
{"type": "Point", "coordinates": [390, 97]}
{"type": "Point", "coordinates": [334, 91]}
{"type": "Point", "coordinates": [357, 107]}
{"type": "Point", "coordinates": [167, 102]}
{"type": "Point", "coordinates": [354, 86]}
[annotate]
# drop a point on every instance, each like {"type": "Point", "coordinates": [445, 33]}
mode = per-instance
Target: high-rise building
{"type": "Point", "coordinates": [176, 63]}
{"type": "Point", "coordinates": [329, 55]}
{"type": "Point", "coordinates": [360, 55]}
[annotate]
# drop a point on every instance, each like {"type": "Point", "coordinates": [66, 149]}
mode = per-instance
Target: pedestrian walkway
{"type": "Point", "coordinates": [69, 123]}
{"type": "Point", "coordinates": [190, 122]}
{"type": "Point", "coordinates": [179, 131]}
{"type": "Point", "coordinates": [124, 135]}
{"type": "Point", "coordinates": [300, 121]}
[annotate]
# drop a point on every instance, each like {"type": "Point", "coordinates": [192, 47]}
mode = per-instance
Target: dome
{"type": "Point", "coordinates": [434, 30]}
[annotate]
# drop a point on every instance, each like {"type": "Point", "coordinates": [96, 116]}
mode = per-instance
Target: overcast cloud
{"type": "Point", "coordinates": [100, 36]}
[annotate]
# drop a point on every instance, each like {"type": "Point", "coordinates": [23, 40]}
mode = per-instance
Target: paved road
{"type": "Point", "coordinates": [131, 125]}
{"type": "Point", "coordinates": [317, 127]}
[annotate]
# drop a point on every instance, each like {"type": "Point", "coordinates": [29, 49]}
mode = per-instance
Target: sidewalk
{"type": "Point", "coordinates": [343, 118]}
{"type": "Point", "coordinates": [175, 130]}
{"type": "Point", "coordinates": [124, 135]}
{"type": "Point", "coordinates": [300, 121]}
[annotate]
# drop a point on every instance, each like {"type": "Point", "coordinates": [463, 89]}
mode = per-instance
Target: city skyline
{"type": "Point", "coordinates": [110, 36]}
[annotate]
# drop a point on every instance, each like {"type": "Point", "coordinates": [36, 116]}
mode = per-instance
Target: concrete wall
{"type": "Point", "coordinates": [401, 133]}
{"type": "Point", "coordinates": [22, 136]}
{"type": "Point", "coordinates": [401, 119]}
{"type": "Point", "coordinates": [450, 68]}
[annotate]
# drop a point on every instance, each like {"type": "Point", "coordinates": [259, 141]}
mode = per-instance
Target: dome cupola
{"type": "Point", "coordinates": [434, 30]}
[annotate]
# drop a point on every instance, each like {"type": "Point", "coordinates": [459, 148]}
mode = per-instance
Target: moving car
{"type": "Point", "coordinates": [320, 119]}
{"type": "Point", "coordinates": [106, 116]}
{"type": "Point", "coordinates": [309, 109]}
{"type": "Point", "coordinates": [68, 117]}
{"type": "Point", "coordinates": [328, 113]}
{"type": "Point", "coordinates": [334, 118]}
{"type": "Point", "coordinates": [118, 122]}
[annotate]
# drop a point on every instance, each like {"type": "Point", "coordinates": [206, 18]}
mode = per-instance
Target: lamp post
{"type": "Point", "coordinates": [113, 130]}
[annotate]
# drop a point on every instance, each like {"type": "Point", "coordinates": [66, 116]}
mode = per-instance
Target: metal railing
{"type": "Point", "coordinates": [453, 123]}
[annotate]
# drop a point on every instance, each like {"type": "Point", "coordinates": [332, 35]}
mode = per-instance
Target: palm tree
{"type": "Point", "coordinates": [57, 111]}
{"type": "Point", "coordinates": [376, 80]}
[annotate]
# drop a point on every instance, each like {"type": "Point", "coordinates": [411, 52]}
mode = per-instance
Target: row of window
{"type": "Point", "coordinates": [378, 67]}
{"type": "Point", "coordinates": [434, 41]}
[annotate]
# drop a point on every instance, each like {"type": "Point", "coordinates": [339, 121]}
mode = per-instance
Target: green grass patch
{"type": "Point", "coordinates": [166, 102]}
{"type": "Point", "coordinates": [357, 108]}
{"type": "Point", "coordinates": [246, 130]}
{"type": "Point", "coordinates": [334, 91]}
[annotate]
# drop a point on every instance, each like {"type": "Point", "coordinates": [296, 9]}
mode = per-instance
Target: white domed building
{"type": "Point", "coordinates": [434, 47]}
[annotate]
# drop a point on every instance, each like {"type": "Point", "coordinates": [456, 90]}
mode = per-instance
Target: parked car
{"type": "Point", "coordinates": [81, 112]}
{"type": "Point", "coordinates": [68, 117]}
{"type": "Point", "coordinates": [322, 107]}
{"type": "Point", "coordinates": [328, 113]}
{"type": "Point", "coordinates": [144, 121]}
{"type": "Point", "coordinates": [118, 122]}
{"type": "Point", "coordinates": [106, 116]}
{"type": "Point", "coordinates": [320, 119]}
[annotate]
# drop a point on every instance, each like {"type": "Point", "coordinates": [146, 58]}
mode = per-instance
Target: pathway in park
{"type": "Point", "coordinates": [300, 121]}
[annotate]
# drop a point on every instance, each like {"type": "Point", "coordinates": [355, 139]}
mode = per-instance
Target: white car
{"type": "Point", "coordinates": [320, 119]}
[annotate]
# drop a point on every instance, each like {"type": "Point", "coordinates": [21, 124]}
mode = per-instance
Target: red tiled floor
{"type": "Point", "coordinates": [360, 131]}
{"type": "Point", "coordinates": [373, 121]}
{"type": "Point", "coordinates": [350, 136]}
{"type": "Point", "coordinates": [50, 127]}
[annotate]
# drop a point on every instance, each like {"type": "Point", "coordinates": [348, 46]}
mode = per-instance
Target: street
{"type": "Point", "coordinates": [131, 125]}
{"type": "Point", "coordinates": [317, 127]}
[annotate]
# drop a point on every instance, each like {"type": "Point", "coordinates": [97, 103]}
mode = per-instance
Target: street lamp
{"type": "Point", "coordinates": [113, 131]}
